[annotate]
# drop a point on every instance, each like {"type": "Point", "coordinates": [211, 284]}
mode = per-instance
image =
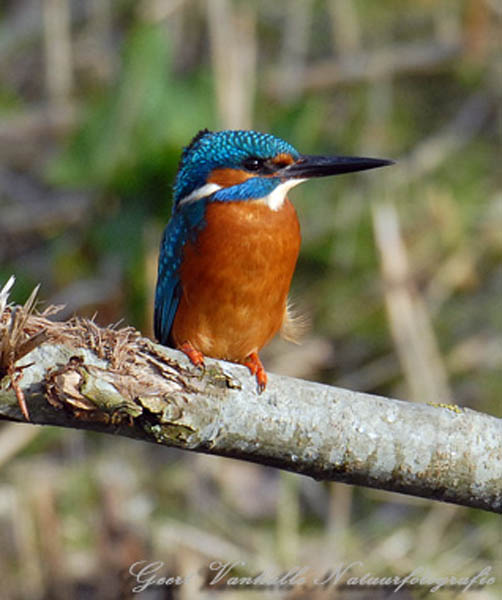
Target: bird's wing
{"type": "Point", "coordinates": [182, 228]}
{"type": "Point", "coordinates": [167, 293]}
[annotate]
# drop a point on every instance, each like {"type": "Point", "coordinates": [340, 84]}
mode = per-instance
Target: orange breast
{"type": "Point", "coordinates": [235, 279]}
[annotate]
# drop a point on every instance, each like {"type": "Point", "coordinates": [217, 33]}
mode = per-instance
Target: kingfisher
{"type": "Point", "coordinates": [228, 253]}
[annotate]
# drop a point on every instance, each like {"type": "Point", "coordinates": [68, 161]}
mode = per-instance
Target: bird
{"type": "Point", "coordinates": [229, 250]}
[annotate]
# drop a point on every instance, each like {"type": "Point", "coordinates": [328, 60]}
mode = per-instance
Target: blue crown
{"type": "Point", "coordinates": [223, 149]}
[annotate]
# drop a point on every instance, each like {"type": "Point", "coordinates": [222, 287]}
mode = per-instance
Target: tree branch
{"type": "Point", "coordinates": [115, 381]}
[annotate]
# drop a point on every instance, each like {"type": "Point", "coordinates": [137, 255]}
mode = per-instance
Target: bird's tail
{"type": "Point", "coordinates": [294, 325]}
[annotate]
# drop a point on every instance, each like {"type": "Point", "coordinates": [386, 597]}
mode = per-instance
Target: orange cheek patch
{"type": "Point", "coordinates": [229, 177]}
{"type": "Point", "coordinates": [283, 159]}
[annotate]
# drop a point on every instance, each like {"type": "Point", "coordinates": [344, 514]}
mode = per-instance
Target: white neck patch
{"type": "Point", "coordinates": [202, 192]}
{"type": "Point", "coordinates": [274, 200]}
{"type": "Point", "coordinates": [277, 196]}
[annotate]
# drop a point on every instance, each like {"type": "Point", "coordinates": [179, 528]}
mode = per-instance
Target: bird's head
{"type": "Point", "coordinates": [247, 165]}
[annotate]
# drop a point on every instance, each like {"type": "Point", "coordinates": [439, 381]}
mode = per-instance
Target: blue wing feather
{"type": "Point", "coordinates": [183, 227]}
{"type": "Point", "coordinates": [168, 282]}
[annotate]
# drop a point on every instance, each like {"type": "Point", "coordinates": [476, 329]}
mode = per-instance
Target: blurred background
{"type": "Point", "coordinates": [400, 271]}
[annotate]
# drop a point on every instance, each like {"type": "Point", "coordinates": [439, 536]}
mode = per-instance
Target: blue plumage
{"type": "Point", "coordinates": [256, 187]}
{"type": "Point", "coordinates": [183, 226]}
{"type": "Point", "coordinates": [167, 293]}
{"type": "Point", "coordinates": [210, 150]}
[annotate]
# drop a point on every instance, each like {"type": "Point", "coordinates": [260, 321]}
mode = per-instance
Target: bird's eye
{"type": "Point", "coordinates": [253, 163]}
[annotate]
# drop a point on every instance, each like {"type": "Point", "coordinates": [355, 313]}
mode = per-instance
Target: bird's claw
{"type": "Point", "coordinates": [253, 363]}
{"type": "Point", "coordinates": [196, 357]}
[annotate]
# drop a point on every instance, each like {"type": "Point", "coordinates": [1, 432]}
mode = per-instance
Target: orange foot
{"type": "Point", "coordinates": [196, 357]}
{"type": "Point", "coordinates": [253, 363]}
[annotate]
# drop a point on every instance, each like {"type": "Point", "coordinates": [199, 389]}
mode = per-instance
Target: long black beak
{"type": "Point", "coordinates": [322, 166]}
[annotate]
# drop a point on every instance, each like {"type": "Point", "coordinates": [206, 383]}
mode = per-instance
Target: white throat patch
{"type": "Point", "coordinates": [276, 198]}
